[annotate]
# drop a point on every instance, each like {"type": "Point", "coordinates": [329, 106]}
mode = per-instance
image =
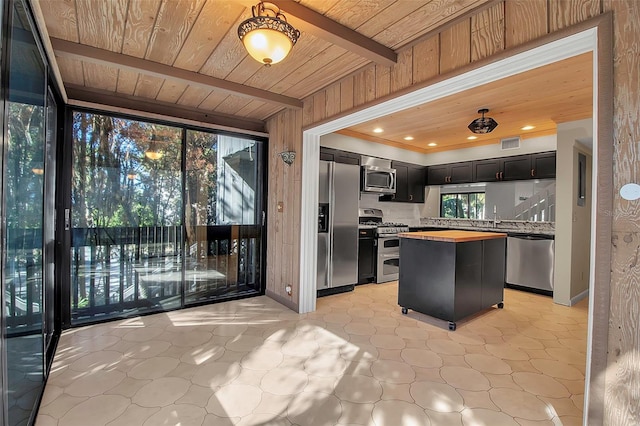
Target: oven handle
{"type": "Point", "coordinates": [389, 255]}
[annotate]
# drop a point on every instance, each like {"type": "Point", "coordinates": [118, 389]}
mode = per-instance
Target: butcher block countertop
{"type": "Point", "coordinates": [452, 236]}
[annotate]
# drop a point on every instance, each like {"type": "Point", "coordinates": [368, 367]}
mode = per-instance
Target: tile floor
{"type": "Point", "coordinates": [355, 361]}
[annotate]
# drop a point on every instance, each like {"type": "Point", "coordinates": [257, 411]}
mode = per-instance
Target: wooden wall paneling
{"type": "Point", "coordinates": [172, 90]}
{"type": "Point", "coordinates": [364, 86]}
{"type": "Point", "coordinates": [325, 74]}
{"type": "Point", "coordinates": [429, 17]}
{"type": "Point", "coordinates": [100, 76]}
{"type": "Point", "coordinates": [274, 236]}
{"type": "Point", "coordinates": [307, 111]}
{"type": "Point", "coordinates": [455, 46]}
{"type": "Point", "coordinates": [622, 373]}
{"type": "Point", "coordinates": [173, 24]}
{"type": "Point", "coordinates": [346, 94]}
{"type": "Point", "coordinates": [141, 16]}
{"type": "Point", "coordinates": [378, 26]}
{"type": "Point", "coordinates": [525, 20]}
{"type": "Point", "coordinates": [383, 81]}
{"type": "Point", "coordinates": [266, 111]}
{"type": "Point", "coordinates": [148, 87]}
{"type": "Point", "coordinates": [98, 32]}
{"type": "Point", "coordinates": [61, 19]}
{"type": "Point", "coordinates": [426, 59]}
{"type": "Point", "coordinates": [192, 96]}
{"type": "Point", "coordinates": [215, 20]}
{"type": "Point", "coordinates": [564, 13]}
{"type": "Point", "coordinates": [332, 101]}
{"type": "Point", "coordinates": [232, 105]}
{"type": "Point", "coordinates": [249, 110]}
{"type": "Point", "coordinates": [402, 72]}
{"type": "Point", "coordinates": [71, 70]}
{"type": "Point", "coordinates": [213, 100]}
{"type": "Point", "coordinates": [319, 106]}
{"type": "Point", "coordinates": [228, 54]}
{"type": "Point", "coordinates": [245, 70]}
{"type": "Point", "coordinates": [127, 81]}
{"type": "Point", "coordinates": [487, 32]}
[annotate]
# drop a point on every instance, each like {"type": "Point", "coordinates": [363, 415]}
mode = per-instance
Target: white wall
{"type": "Point", "coordinates": [346, 143]}
{"type": "Point", "coordinates": [573, 223]}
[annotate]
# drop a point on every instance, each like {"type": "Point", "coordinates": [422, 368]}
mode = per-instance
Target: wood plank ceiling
{"type": "Point", "coordinates": [186, 55]}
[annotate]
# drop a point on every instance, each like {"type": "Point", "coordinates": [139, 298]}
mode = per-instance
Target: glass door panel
{"type": "Point", "coordinates": [23, 183]}
{"type": "Point", "coordinates": [223, 217]}
{"type": "Point", "coordinates": [126, 249]}
{"type": "Point", "coordinates": [49, 231]}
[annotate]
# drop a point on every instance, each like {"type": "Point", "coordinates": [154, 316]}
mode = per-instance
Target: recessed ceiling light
{"type": "Point", "coordinates": [408, 138]}
{"type": "Point", "coordinates": [378, 130]}
{"type": "Point", "coordinates": [432, 144]}
{"type": "Point", "coordinates": [471, 138]}
{"type": "Point", "coordinates": [529, 127]}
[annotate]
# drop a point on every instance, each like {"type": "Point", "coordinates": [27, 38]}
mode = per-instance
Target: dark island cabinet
{"type": "Point", "coordinates": [330, 154]}
{"type": "Point", "coordinates": [410, 183]}
{"type": "Point", "coordinates": [450, 173]}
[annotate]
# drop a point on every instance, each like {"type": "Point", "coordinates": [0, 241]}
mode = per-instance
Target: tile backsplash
{"type": "Point", "coordinates": [407, 213]}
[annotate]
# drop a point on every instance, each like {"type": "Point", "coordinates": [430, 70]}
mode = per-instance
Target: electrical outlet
{"type": "Point", "coordinates": [288, 290]}
{"type": "Point", "coordinates": [280, 206]}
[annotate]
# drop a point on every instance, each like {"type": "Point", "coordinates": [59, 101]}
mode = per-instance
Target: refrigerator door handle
{"type": "Point", "coordinates": [332, 207]}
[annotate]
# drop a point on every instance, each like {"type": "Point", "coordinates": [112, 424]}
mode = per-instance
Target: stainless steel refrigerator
{"type": "Point", "coordinates": [338, 194]}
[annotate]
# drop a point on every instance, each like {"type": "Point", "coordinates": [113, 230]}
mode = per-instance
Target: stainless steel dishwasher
{"type": "Point", "coordinates": [530, 261]}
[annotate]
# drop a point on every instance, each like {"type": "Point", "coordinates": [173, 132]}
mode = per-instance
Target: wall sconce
{"type": "Point", "coordinates": [288, 157]}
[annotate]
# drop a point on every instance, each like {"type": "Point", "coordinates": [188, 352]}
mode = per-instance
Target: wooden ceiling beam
{"type": "Point", "coordinates": [128, 102]}
{"type": "Point", "coordinates": [308, 20]}
{"type": "Point", "coordinates": [94, 55]}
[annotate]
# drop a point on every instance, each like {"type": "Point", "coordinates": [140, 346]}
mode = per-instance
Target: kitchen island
{"type": "Point", "coordinates": [451, 274]}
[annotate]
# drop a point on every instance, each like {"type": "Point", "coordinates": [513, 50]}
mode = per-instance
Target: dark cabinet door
{"type": "Point", "coordinates": [516, 168]}
{"type": "Point", "coordinates": [366, 260]}
{"type": "Point", "coordinates": [461, 173]}
{"type": "Point", "coordinates": [330, 154]}
{"type": "Point", "coordinates": [438, 175]}
{"type": "Point", "coordinates": [487, 170]}
{"type": "Point", "coordinates": [402, 182]}
{"type": "Point", "coordinates": [543, 165]}
{"type": "Point", "coordinates": [327, 154]}
{"type": "Point", "coordinates": [416, 184]}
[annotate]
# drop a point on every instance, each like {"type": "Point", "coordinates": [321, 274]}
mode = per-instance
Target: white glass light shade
{"type": "Point", "coordinates": [267, 46]}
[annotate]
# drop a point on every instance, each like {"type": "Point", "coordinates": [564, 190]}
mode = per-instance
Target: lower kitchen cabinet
{"type": "Point", "coordinates": [367, 256]}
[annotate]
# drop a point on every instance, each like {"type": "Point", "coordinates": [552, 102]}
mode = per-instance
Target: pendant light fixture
{"type": "Point", "coordinates": [153, 153]}
{"type": "Point", "coordinates": [483, 124]}
{"type": "Point", "coordinates": [267, 36]}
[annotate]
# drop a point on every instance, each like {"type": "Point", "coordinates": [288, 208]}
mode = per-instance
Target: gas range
{"type": "Point", "coordinates": [387, 229]}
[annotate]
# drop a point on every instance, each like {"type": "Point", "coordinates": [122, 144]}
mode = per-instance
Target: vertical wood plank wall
{"type": "Point", "coordinates": [501, 26]}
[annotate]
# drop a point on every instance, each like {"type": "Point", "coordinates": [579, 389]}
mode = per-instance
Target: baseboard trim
{"type": "Point", "coordinates": [579, 297]}
{"type": "Point", "coordinates": [283, 301]}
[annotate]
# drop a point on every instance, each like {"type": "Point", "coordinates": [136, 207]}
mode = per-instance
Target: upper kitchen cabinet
{"type": "Point", "coordinates": [330, 154]}
{"type": "Point", "coordinates": [508, 168]}
{"type": "Point", "coordinates": [543, 165]}
{"type": "Point", "coordinates": [450, 173]}
{"type": "Point", "coordinates": [529, 166]}
{"type": "Point", "coordinates": [410, 183]}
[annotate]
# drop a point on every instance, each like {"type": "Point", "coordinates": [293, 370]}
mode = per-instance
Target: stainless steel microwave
{"type": "Point", "coordinates": [378, 179]}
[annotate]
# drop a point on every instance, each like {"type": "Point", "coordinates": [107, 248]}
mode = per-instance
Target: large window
{"type": "Point", "coordinates": [465, 205]}
{"type": "Point", "coordinates": [148, 236]}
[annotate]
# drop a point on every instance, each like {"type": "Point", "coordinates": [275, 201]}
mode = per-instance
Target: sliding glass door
{"type": "Point", "coordinates": [23, 184]}
{"type": "Point", "coordinates": [146, 236]}
{"type": "Point", "coordinates": [223, 217]}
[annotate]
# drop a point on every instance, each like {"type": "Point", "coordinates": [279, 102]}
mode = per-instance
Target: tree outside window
{"type": "Point", "coordinates": [465, 206]}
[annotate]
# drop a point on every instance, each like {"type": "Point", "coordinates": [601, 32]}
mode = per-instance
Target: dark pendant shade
{"type": "Point", "coordinates": [483, 124]}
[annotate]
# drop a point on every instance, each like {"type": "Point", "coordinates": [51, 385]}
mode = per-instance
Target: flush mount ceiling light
{"type": "Point", "coordinates": [472, 138]}
{"type": "Point", "coordinates": [432, 144]}
{"type": "Point", "coordinates": [483, 124]}
{"type": "Point", "coordinates": [153, 153]}
{"type": "Point", "coordinates": [378, 130]}
{"type": "Point", "coordinates": [528, 127]}
{"type": "Point", "coordinates": [408, 138]}
{"type": "Point", "coordinates": [267, 36]}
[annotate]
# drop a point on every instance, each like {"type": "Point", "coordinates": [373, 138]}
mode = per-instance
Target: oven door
{"type": "Point", "coordinates": [388, 265]}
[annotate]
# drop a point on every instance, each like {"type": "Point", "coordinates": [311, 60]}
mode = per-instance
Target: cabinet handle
{"type": "Point", "coordinates": [533, 172]}
{"type": "Point", "coordinates": [501, 173]}
{"type": "Point", "coordinates": [410, 197]}
{"type": "Point", "coordinates": [497, 173]}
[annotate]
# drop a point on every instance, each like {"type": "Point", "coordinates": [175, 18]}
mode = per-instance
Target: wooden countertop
{"type": "Point", "coordinates": [452, 236]}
